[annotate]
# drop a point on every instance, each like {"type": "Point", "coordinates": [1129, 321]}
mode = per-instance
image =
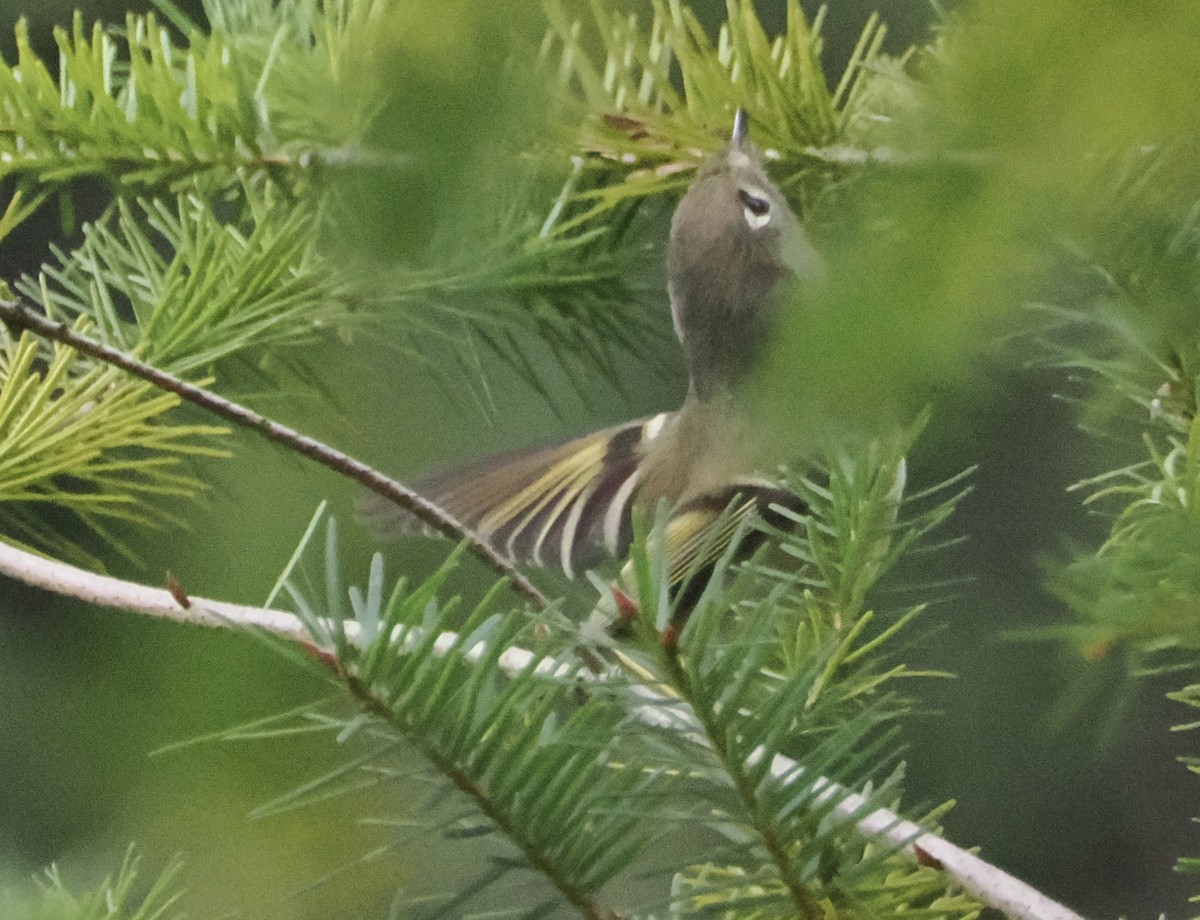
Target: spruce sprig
{"type": "Point", "coordinates": [647, 136]}
{"type": "Point", "coordinates": [546, 772]}
{"type": "Point", "coordinates": [792, 690]}
{"type": "Point", "coordinates": [125, 895]}
{"type": "Point", "coordinates": [168, 281]}
{"type": "Point", "coordinates": [91, 441]}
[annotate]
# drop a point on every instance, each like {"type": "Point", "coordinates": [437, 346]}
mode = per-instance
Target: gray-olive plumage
{"type": "Point", "coordinates": [734, 244]}
{"type": "Point", "coordinates": [733, 240]}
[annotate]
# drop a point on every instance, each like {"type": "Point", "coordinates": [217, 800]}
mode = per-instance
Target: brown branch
{"type": "Point", "coordinates": [420, 507]}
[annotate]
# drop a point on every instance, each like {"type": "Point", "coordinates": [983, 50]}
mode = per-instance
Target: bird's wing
{"type": "Point", "coordinates": [700, 532]}
{"type": "Point", "coordinates": [560, 505]}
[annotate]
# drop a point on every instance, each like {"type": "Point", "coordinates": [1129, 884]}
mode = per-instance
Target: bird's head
{"type": "Point", "coordinates": [734, 238]}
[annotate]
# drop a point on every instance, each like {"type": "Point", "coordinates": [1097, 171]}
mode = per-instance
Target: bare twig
{"type": "Point", "coordinates": [419, 506]}
{"type": "Point", "coordinates": [990, 885]}
{"type": "Point", "coordinates": [106, 591]}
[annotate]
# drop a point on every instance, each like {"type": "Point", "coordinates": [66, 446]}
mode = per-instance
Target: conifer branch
{"type": "Point", "coordinates": [989, 884]}
{"type": "Point", "coordinates": [422, 508]}
{"type": "Point", "coordinates": [126, 894]}
{"type": "Point", "coordinates": [718, 739]}
{"type": "Point", "coordinates": [584, 902]}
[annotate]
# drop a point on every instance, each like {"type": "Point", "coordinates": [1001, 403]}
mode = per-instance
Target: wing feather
{"type": "Point", "coordinates": [565, 505]}
{"type": "Point", "coordinates": [700, 532]}
{"type": "Point", "coordinates": [561, 505]}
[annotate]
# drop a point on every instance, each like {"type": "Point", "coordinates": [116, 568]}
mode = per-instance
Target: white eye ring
{"type": "Point", "coordinates": [756, 207]}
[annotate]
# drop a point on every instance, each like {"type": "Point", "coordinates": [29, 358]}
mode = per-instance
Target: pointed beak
{"type": "Point", "coordinates": [741, 128]}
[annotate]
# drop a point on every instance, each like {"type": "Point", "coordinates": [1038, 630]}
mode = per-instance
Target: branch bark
{"type": "Point", "coordinates": [420, 507]}
{"type": "Point", "coordinates": [987, 883]}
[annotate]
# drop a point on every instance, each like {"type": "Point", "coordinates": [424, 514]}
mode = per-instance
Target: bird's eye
{"type": "Point", "coordinates": [755, 205]}
{"type": "Point", "coordinates": [755, 208]}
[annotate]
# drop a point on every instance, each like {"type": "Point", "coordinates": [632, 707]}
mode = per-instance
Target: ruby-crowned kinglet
{"type": "Point", "coordinates": [734, 243]}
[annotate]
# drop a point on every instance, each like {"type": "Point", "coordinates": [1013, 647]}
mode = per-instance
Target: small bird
{"type": "Point", "coordinates": [735, 245]}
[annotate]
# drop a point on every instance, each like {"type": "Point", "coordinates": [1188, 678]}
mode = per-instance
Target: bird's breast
{"type": "Point", "coordinates": [709, 445]}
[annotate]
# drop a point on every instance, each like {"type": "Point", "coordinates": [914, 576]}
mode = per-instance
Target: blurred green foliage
{"type": "Point", "coordinates": [114, 898]}
{"type": "Point", "coordinates": [1004, 164]}
{"type": "Point", "coordinates": [457, 105]}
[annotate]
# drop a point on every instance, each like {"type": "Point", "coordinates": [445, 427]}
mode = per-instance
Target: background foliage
{"type": "Point", "coordinates": [1038, 123]}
